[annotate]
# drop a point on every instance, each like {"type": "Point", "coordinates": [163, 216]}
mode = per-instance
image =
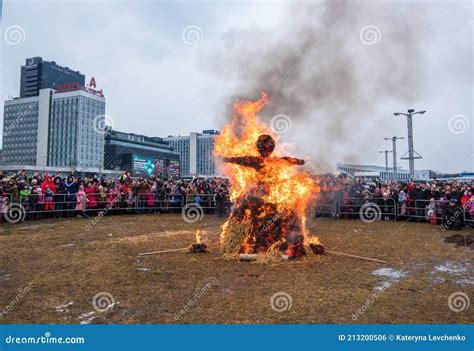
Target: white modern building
{"type": "Point", "coordinates": [196, 152]}
{"type": "Point", "coordinates": [76, 139]}
{"type": "Point", "coordinates": [56, 130]}
{"type": "Point", "coordinates": [371, 171]}
{"type": "Point", "coordinates": [463, 177]}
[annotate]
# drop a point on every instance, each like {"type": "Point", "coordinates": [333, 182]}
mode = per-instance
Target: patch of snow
{"type": "Point", "coordinates": [390, 273]}
{"type": "Point", "coordinates": [88, 321]}
{"type": "Point", "coordinates": [86, 315]}
{"type": "Point", "coordinates": [142, 269]}
{"type": "Point", "coordinates": [391, 276]}
{"type": "Point", "coordinates": [63, 308]}
{"type": "Point", "coordinates": [458, 271]}
{"type": "Point", "coordinates": [464, 281]}
{"type": "Point", "coordinates": [452, 268]}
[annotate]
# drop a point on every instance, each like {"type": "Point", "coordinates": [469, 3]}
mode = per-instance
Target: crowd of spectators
{"type": "Point", "coordinates": [450, 204]}
{"type": "Point", "coordinates": [46, 196]}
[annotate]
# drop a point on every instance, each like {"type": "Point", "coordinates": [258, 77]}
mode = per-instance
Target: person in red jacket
{"type": "Point", "coordinates": [91, 192]}
{"type": "Point", "coordinates": [48, 181]}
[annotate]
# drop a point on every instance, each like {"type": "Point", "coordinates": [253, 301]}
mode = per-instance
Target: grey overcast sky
{"type": "Point", "coordinates": [175, 67]}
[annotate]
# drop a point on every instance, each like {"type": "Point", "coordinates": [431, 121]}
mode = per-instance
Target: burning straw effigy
{"type": "Point", "coordinates": [269, 191]}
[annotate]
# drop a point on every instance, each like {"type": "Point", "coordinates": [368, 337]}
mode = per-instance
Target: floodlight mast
{"type": "Point", "coordinates": [394, 148]}
{"type": "Point", "coordinates": [411, 151]}
{"type": "Point", "coordinates": [386, 158]}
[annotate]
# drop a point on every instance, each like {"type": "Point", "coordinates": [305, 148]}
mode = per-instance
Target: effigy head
{"type": "Point", "coordinates": [265, 145]}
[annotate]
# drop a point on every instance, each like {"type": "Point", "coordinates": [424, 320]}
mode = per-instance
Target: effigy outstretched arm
{"type": "Point", "coordinates": [247, 161]}
{"type": "Point", "coordinates": [293, 161]}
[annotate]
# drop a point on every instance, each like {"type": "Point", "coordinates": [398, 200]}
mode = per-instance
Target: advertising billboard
{"type": "Point", "coordinates": [142, 165]}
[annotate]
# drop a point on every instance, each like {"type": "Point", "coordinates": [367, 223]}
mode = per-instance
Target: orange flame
{"type": "Point", "coordinates": [288, 186]}
{"type": "Point", "coordinates": [199, 233]}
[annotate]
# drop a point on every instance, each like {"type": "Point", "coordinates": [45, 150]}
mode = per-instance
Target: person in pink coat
{"type": "Point", "coordinates": [81, 202]}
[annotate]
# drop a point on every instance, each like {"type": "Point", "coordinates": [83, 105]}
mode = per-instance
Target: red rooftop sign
{"type": "Point", "coordinates": [91, 88]}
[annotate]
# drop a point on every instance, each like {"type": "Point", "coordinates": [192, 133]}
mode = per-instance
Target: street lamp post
{"type": "Point", "coordinates": [394, 148]}
{"type": "Point", "coordinates": [412, 154]}
{"type": "Point", "coordinates": [386, 159]}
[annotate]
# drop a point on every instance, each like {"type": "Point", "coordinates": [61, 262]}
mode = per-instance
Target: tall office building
{"type": "Point", "coordinates": [38, 74]}
{"type": "Point", "coordinates": [56, 129]}
{"type": "Point", "coordinates": [21, 132]}
{"type": "Point", "coordinates": [75, 139]}
{"type": "Point", "coordinates": [196, 152]}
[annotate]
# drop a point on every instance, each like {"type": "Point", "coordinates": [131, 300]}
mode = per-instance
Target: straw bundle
{"type": "Point", "coordinates": [233, 235]}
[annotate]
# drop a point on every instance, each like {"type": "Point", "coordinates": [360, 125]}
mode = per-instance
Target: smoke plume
{"type": "Point", "coordinates": [335, 69]}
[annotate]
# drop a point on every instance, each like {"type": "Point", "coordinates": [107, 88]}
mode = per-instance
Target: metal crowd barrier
{"type": "Point", "coordinates": [349, 208]}
{"type": "Point", "coordinates": [37, 206]}
{"type": "Point", "coordinates": [419, 210]}
{"type": "Point", "coordinates": [152, 201]}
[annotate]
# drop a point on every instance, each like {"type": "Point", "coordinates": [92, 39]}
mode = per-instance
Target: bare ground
{"type": "Point", "coordinates": [45, 264]}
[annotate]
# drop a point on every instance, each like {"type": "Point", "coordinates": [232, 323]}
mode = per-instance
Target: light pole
{"type": "Point", "coordinates": [394, 148]}
{"type": "Point", "coordinates": [411, 151]}
{"type": "Point", "coordinates": [386, 159]}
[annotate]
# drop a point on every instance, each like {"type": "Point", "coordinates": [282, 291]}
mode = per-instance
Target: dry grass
{"type": "Point", "coordinates": [66, 263]}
